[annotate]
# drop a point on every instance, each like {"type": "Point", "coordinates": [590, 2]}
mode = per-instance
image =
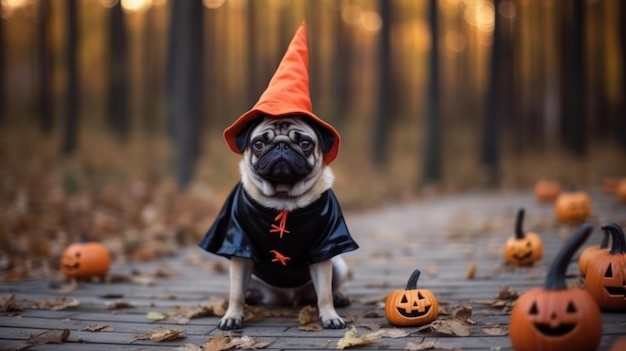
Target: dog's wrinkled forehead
{"type": "Point", "coordinates": [290, 127]}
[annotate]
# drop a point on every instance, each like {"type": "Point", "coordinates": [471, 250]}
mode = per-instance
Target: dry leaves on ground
{"type": "Point", "coordinates": [352, 339]}
{"type": "Point", "coordinates": [221, 342]}
{"type": "Point", "coordinates": [49, 337]}
{"type": "Point", "coordinates": [458, 325]}
{"type": "Point", "coordinates": [161, 335]}
{"type": "Point", "coordinates": [98, 328]}
{"type": "Point", "coordinates": [428, 345]}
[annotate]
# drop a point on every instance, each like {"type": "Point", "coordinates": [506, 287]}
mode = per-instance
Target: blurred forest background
{"type": "Point", "coordinates": [111, 111]}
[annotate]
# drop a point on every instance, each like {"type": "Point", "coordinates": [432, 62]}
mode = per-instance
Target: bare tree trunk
{"type": "Point", "coordinates": [383, 116]}
{"type": "Point", "coordinates": [118, 73]}
{"type": "Point", "coordinates": [342, 72]}
{"type": "Point", "coordinates": [150, 109]}
{"type": "Point", "coordinates": [621, 116]}
{"type": "Point", "coordinates": [253, 89]}
{"type": "Point", "coordinates": [431, 171]}
{"type": "Point", "coordinates": [70, 127]}
{"type": "Point", "coordinates": [44, 59]}
{"type": "Point", "coordinates": [573, 124]}
{"type": "Point", "coordinates": [3, 76]}
{"type": "Point", "coordinates": [490, 148]}
{"type": "Point", "coordinates": [187, 72]}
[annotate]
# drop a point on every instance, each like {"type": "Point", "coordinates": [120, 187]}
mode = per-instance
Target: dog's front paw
{"type": "Point", "coordinates": [227, 323]}
{"type": "Point", "coordinates": [333, 323]}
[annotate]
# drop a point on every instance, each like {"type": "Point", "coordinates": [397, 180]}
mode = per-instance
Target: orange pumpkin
{"type": "Point", "coordinates": [523, 248]}
{"type": "Point", "coordinates": [606, 274]}
{"type": "Point", "coordinates": [555, 317]}
{"type": "Point", "coordinates": [621, 191]}
{"type": "Point", "coordinates": [572, 207]}
{"type": "Point", "coordinates": [547, 190]}
{"type": "Point", "coordinates": [592, 251]}
{"type": "Point", "coordinates": [85, 260]}
{"type": "Point", "coordinates": [411, 306]}
{"type": "Point", "coordinates": [618, 345]}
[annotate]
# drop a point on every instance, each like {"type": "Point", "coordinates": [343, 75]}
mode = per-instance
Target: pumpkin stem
{"type": "Point", "coordinates": [519, 233]}
{"type": "Point", "coordinates": [619, 243]}
{"type": "Point", "coordinates": [555, 280]}
{"type": "Point", "coordinates": [412, 283]}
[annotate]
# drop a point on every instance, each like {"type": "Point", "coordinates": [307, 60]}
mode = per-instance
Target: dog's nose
{"type": "Point", "coordinates": [282, 146]}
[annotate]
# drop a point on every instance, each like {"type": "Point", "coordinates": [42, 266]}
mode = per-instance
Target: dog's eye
{"type": "Point", "coordinates": [305, 145]}
{"type": "Point", "coordinates": [258, 145]}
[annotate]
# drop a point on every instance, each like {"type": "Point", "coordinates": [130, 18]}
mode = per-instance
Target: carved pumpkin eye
{"type": "Point", "coordinates": [571, 308]}
{"type": "Point", "coordinates": [609, 272]}
{"type": "Point", "coordinates": [533, 309]}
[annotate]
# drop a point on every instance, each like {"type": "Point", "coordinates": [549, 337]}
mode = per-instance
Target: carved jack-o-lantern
{"type": "Point", "coordinates": [572, 207]}
{"type": "Point", "coordinates": [555, 317]}
{"type": "Point", "coordinates": [412, 306]}
{"type": "Point", "coordinates": [522, 248]}
{"type": "Point", "coordinates": [606, 274]}
{"type": "Point", "coordinates": [85, 260]}
{"type": "Point", "coordinates": [546, 190]}
{"type": "Point", "coordinates": [592, 251]}
{"type": "Point", "coordinates": [621, 191]}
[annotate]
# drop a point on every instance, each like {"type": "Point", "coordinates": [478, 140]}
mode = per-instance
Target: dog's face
{"type": "Point", "coordinates": [282, 164]}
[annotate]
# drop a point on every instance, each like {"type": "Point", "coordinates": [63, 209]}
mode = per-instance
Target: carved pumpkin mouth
{"type": "Point", "coordinates": [72, 267]}
{"type": "Point", "coordinates": [415, 314]}
{"type": "Point", "coordinates": [523, 257]}
{"type": "Point", "coordinates": [615, 290]}
{"type": "Point", "coordinates": [561, 330]}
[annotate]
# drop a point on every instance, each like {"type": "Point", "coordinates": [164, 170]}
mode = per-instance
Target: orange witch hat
{"type": "Point", "coordinates": [287, 94]}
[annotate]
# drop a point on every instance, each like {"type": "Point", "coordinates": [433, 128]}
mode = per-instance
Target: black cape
{"type": "Point", "coordinates": [282, 244]}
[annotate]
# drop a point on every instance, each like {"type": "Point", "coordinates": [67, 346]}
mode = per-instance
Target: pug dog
{"type": "Point", "coordinates": [282, 227]}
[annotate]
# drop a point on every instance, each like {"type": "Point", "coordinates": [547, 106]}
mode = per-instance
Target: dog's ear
{"type": "Point", "coordinates": [241, 140]}
{"type": "Point", "coordinates": [327, 139]}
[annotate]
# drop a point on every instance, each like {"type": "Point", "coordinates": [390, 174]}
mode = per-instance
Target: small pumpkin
{"type": "Point", "coordinates": [606, 274]}
{"type": "Point", "coordinates": [572, 207]}
{"type": "Point", "coordinates": [411, 306]}
{"type": "Point", "coordinates": [592, 251]}
{"type": "Point", "coordinates": [85, 260]}
{"type": "Point", "coordinates": [555, 317]}
{"type": "Point", "coordinates": [618, 345]}
{"type": "Point", "coordinates": [523, 248]}
{"type": "Point", "coordinates": [621, 191]}
{"type": "Point", "coordinates": [547, 190]}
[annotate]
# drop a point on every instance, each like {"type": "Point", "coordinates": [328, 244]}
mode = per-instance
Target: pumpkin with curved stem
{"type": "Point", "coordinates": [546, 190]}
{"type": "Point", "coordinates": [592, 251]}
{"type": "Point", "coordinates": [572, 207]}
{"type": "Point", "coordinates": [85, 260]}
{"type": "Point", "coordinates": [621, 190]}
{"type": "Point", "coordinates": [411, 306]}
{"type": "Point", "coordinates": [555, 317]}
{"type": "Point", "coordinates": [606, 274]}
{"type": "Point", "coordinates": [523, 248]}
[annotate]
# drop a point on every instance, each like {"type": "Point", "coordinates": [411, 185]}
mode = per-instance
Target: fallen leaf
{"type": "Point", "coordinates": [156, 316]}
{"type": "Point", "coordinates": [254, 313]}
{"type": "Point", "coordinates": [57, 304]}
{"type": "Point", "coordinates": [167, 334]}
{"type": "Point", "coordinates": [114, 305]}
{"type": "Point", "coordinates": [98, 328]}
{"type": "Point", "coordinates": [143, 280]}
{"type": "Point", "coordinates": [221, 342]}
{"type": "Point", "coordinates": [307, 315]}
{"type": "Point", "coordinates": [189, 347]}
{"type": "Point", "coordinates": [458, 325]}
{"type": "Point", "coordinates": [470, 272]}
{"type": "Point", "coordinates": [311, 327]}
{"type": "Point", "coordinates": [7, 304]}
{"type": "Point", "coordinates": [390, 333]}
{"type": "Point", "coordinates": [494, 329]}
{"type": "Point", "coordinates": [67, 288]}
{"type": "Point", "coordinates": [428, 345]}
{"type": "Point", "coordinates": [351, 339]}
{"type": "Point", "coordinates": [49, 337]}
